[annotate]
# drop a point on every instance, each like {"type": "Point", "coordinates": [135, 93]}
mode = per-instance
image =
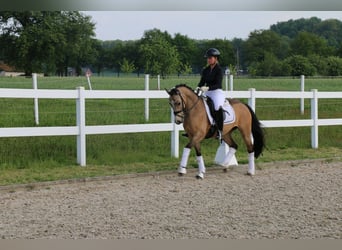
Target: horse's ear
{"type": "Point", "coordinates": [169, 92]}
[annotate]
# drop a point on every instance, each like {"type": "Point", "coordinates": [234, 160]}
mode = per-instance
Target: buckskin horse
{"type": "Point", "coordinates": [189, 108]}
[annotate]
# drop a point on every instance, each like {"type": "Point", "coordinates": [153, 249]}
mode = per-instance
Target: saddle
{"type": "Point", "coordinates": [228, 114]}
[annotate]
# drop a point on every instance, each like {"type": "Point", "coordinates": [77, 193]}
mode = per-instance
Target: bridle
{"type": "Point", "coordinates": [184, 110]}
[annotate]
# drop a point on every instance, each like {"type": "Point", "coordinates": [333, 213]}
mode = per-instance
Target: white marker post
{"type": "Point", "coordinates": [221, 153]}
{"type": "Point", "coordinates": [88, 75]}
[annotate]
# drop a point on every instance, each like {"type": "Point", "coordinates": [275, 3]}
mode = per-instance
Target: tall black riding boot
{"type": "Point", "coordinates": [219, 122]}
{"type": "Point", "coordinates": [219, 119]}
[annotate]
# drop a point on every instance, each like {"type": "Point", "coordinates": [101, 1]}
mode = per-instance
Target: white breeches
{"type": "Point", "coordinates": [217, 96]}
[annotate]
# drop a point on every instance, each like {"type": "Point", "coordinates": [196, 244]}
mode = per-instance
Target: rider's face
{"type": "Point", "coordinates": [211, 60]}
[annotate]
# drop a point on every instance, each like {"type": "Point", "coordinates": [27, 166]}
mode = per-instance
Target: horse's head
{"type": "Point", "coordinates": [177, 103]}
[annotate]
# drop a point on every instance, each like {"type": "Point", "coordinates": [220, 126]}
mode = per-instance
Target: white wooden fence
{"type": "Point", "coordinates": [81, 129]}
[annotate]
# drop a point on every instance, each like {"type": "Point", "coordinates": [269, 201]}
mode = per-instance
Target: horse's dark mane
{"type": "Point", "coordinates": [183, 85]}
{"type": "Point", "coordinates": [174, 90]}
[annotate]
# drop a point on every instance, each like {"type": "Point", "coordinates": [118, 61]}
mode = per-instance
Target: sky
{"type": "Point", "coordinates": [130, 25]}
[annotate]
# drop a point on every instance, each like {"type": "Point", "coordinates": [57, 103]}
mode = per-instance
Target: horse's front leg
{"type": "Point", "coordinates": [200, 161]}
{"type": "Point", "coordinates": [184, 161]}
{"type": "Point", "coordinates": [185, 157]}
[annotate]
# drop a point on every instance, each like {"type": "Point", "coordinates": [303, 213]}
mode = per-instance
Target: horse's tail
{"type": "Point", "coordinates": [258, 134]}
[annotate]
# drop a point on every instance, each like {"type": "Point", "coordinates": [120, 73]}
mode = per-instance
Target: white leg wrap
{"type": "Point", "coordinates": [185, 157]}
{"type": "Point", "coordinates": [201, 167]}
{"type": "Point", "coordinates": [228, 157]}
{"type": "Point", "coordinates": [184, 161]}
{"type": "Point", "coordinates": [251, 167]}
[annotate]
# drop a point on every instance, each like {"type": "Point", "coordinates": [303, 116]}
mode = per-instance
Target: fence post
{"type": "Point", "coordinates": [226, 77]}
{"type": "Point", "coordinates": [80, 120]}
{"type": "Point", "coordinates": [147, 100]}
{"type": "Point", "coordinates": [174, 138]}
{"type": "Point", "coordinates": [314, 118]}
{"type": "Point", "coordinates": [302, 88]}
{"type": "Point", "coordinates": [158, 82]}
{"type": "Point", "coordinates": [251, 99]}
{"type": "Point", "coordinates": [231, 83]}
{"type": "Point", "coordinates": [36, 108]}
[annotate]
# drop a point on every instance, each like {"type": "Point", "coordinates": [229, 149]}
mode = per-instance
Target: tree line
{"type": "Point", "coordinates": [53, 42]}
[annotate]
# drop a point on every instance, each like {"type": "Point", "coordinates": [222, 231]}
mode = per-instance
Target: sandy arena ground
{"type": "Point", "coordinates": [286, 200]}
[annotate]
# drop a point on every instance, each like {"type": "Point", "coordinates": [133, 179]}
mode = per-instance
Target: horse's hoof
{"type": "Point", "coordinates": [250, 174]}
{"type": "Point", "coordinates": [200, 176]}
{"type": "Point", "coordinates": [225, 170]}
{"type": "Point", "coordinates": [181, 171]}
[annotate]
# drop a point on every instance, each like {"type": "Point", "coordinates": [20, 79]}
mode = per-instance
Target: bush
{"type": "Point", "coordinates": [300, 65]}
{"type": "Point", "coordinates": [332, 66]}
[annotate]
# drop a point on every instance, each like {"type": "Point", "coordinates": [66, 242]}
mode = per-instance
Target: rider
{"type": "Point", "coordinates": [211, 84]}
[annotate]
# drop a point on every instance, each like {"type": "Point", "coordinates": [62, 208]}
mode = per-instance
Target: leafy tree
{"type": "Point", "coordinates": [339, 50]}
{"type": "Point", "coordinates": [330, 30]}
{"type": "Point", "coordinates": [260, 43]}
{"type": "Point", "coordinates": [30, 39]}
{"type": "Point", "coordinates": [103, 56]}
{"type": "Point", "coordinates": [292, 27]}
{"type": "Point", "coordinates": [284, 48]}
{"type": "Point", "coordinates": [270, 66]}
{"type": "Point", "coordinates": [306, 44]}
{"type": "Point", "coordinates": [116, 50]}
{"type": "Point", "coordinates": [46, 40]}
{"type": "Point", "coordinates": [186, 48]}
{"type": "Point", "coordinates": [158, 54]}
{"type": "Point", "coordinates": [131, 49]}
{"type": "Point", "coordinates": [232, 69]}
{"type": "Point", "coordinates": [78, 50]}
{"type": "Point", "coordinates": [186, 69]}
{"type": "Point", "coordinates": [126, 66]}
{"type": "Point", "coordinates": [116, 55]}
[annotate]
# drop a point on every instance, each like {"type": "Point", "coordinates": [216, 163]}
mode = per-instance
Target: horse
{"type": "Point", "coordinates": [189, 108]}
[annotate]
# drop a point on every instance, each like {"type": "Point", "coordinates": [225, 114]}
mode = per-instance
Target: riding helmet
{"type": "Point", "coordinates": [212, 52]}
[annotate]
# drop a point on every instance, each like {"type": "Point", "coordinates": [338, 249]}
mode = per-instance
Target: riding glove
{"type": "Point", "coordinates": [204, 88]}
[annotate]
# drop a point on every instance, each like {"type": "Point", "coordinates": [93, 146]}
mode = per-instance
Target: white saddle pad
{"type": "Point", "coordinates": [228, 110]}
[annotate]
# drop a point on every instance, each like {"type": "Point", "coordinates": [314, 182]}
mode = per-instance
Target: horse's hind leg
{"type": "Point", "coordinates": [200, 161]}
{"type": "Point", "coordinates": [248, 139]}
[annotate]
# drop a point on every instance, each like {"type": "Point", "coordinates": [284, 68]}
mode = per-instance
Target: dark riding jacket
{"type": "Point", "coordinates": [211, 78]}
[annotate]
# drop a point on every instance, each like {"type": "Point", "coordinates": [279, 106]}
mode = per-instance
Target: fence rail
{"type": "Point", "coordinates": [81, 129]}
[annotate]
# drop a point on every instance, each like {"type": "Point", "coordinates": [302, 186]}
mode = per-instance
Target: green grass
{"type": "Point", "coordinates": [32, 159]}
